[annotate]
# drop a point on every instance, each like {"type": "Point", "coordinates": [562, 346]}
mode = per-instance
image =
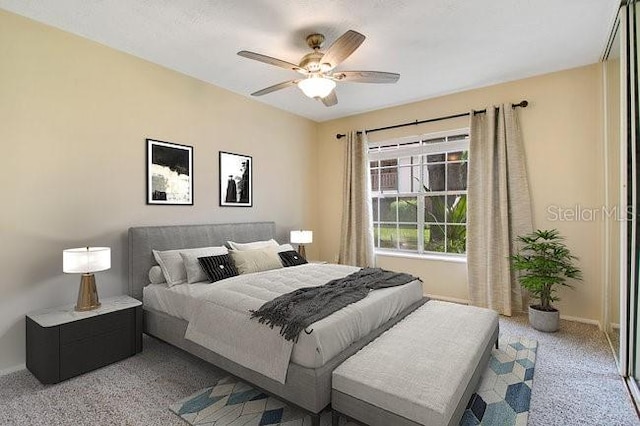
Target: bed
{"type": "Point", "coordinates": [167, 316]}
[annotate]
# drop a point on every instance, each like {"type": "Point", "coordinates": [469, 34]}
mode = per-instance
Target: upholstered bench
{"type": "Point", "coordinates": [422, 371]}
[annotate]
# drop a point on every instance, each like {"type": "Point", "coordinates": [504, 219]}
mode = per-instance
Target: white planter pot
{"type": "Point", "coordinates": [544, 320]}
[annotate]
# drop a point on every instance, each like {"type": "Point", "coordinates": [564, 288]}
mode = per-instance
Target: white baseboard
{"type": "Point", "coordinates": [12, 369]}
{"type": "Point", "coordinates": [564, 317]}
{"type": "Point", "coordinates": [447, 299]}
{"type": "Point", "coordinates": [582, 320]}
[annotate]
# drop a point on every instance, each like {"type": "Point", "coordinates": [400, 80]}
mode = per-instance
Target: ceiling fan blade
{"type": "Point", "coordinates": [344, 46]}
{"type": "Point", "coordinates": [367, 76]}
{"type": "Point", "coordinates": [331, 99]}
{"type": "Point", "coordinates": [271, 61]}
{"type": "Point", "coordinates": [275, 87]}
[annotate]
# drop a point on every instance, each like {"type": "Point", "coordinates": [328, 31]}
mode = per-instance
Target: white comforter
{"type": "Point", "coordinates": [221, 320]}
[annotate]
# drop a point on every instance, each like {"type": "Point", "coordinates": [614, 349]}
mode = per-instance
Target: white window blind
{"type": "Point", "coordinates": [419, 193]}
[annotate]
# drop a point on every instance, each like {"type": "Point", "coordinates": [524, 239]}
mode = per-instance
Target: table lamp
{"type": "Point", "coordinates": [86, 261]}
{"type": "Point", "coordinates": [301, 238]}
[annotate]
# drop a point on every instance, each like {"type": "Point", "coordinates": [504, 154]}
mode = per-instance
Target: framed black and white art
{"type": "Point", "coordinates": [169, 173]}
{"type": "Point", "coordinates": [236, 189]}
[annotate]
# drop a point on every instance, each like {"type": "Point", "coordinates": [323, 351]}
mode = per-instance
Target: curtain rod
{"type": "Point", "coordinates": [522, 104]}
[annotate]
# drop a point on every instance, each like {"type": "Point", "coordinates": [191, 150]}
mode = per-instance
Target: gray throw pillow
{"type": "Point", "coordinates": [173, 267]}
{"type": "Point", "coordinates": [156, 276]}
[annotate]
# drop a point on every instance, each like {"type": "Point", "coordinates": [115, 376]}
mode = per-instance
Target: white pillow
{"type": "Point", "coordinates": [249, 261]}
{"type": "Point", "coordinates": [285, 247]}
{"type": "Point", "coordinates": [156, 276]}
{"type": "Point", "coordinates": [172, 265]}
{"type": "Point", "coordinates": [195, 273]}
{"type": "Point", "coordinates": [256, 245]}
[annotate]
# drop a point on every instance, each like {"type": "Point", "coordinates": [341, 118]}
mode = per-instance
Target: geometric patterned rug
{"type": "Point", "coordinates": [502, 398]}
{"type": "Point", "coordinates": [232, 402]}
{"type": "Point", "coordinates": [504, 392]}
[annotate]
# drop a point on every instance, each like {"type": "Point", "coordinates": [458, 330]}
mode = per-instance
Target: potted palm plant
{"type": "Point", "coordinates": [545, 263]}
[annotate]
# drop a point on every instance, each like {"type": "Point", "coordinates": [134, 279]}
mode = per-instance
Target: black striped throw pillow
{"type": "Point", "coordinates": [218, 267]}
{"type": "Point", "coordinates": [291, 258]}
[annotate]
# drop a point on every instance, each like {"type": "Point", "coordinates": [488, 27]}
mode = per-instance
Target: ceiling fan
{"type": "Point", "coordinates": [317, 67]}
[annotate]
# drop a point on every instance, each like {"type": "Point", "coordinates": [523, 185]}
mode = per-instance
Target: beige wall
{"type": "Point", "coordinates": [562, 130]}
{"type": "Point", "coordinates": [75, 115]}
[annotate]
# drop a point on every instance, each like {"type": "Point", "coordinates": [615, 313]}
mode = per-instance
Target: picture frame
{"type": "Point", "coordinates": [236, 180]}
{"type": "Point", "coordinates": [169, 173]}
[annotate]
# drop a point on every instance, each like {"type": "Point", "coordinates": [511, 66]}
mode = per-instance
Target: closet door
{"type": "Point", "coordinates": [629, 353]}
{"type": "Point", "coordinates": [613, 98]}
{"type": "Point", "coordinates": [633, 158]}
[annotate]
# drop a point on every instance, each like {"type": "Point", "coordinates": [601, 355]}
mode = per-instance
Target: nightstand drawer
{"type": "Point", "coordinates": [94, 352]}
{"type": "Point", "coordinates": [95, 326]}
{"type": "Point", "coordinates": [62, 343]}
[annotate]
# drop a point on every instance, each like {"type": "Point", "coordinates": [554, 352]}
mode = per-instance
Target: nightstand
{"type": "Point", "coordinates": [63, 343]}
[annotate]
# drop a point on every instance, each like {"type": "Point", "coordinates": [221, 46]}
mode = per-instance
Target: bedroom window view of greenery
{"type": "Point", "coordinates": [419, 193]}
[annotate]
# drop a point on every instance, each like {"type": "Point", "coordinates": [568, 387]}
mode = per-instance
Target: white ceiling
{"type": "Point", "coordinates": [438, 46]}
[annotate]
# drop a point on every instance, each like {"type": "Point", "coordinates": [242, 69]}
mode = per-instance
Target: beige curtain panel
{"type": "Point", "coordinates": [356, 238]}
{"type": "Point", "coordinates": [498, 209]}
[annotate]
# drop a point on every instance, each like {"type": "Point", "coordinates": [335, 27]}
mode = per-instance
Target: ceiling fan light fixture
{"type": "Point", "coordinates": [317, 67]}
{"type": "Point", "coordinates": [316, 86]}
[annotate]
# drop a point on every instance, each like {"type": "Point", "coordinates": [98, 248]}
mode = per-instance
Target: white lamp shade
{"type": "Point", "coordinates": [301, 237]}
{"type": "Point", "coordinates": [84, 260]}
{"type": "Point", "coordinates": [316, 87]}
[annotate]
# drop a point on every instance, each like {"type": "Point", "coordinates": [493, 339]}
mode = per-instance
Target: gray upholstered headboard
{"type": "Point", "coordinates": [143, 239]}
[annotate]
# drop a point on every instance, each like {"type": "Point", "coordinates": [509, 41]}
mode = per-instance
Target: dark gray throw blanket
{"type": "Point", "coordinates": [295, 311]}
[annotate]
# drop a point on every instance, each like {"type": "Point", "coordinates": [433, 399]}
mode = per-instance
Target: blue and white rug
{"type": "Point", "coordinates": [504, 392]}
{"type": "Point", "coordinates": [502, 398]}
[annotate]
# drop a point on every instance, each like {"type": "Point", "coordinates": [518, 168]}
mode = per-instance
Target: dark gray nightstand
{"type": "Point", "coordinates": [63, 343]}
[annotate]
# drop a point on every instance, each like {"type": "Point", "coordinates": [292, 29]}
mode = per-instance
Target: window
{"type": "Point", "coordinates": [419, 193]}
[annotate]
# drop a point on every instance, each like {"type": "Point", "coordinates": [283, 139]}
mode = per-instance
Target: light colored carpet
{"type": "Point", "coordinates": [135, 391]}
{"type": "Point", "coordinates": [576, 381]}
{"type": "Point", "coordinates": [575, 384]}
